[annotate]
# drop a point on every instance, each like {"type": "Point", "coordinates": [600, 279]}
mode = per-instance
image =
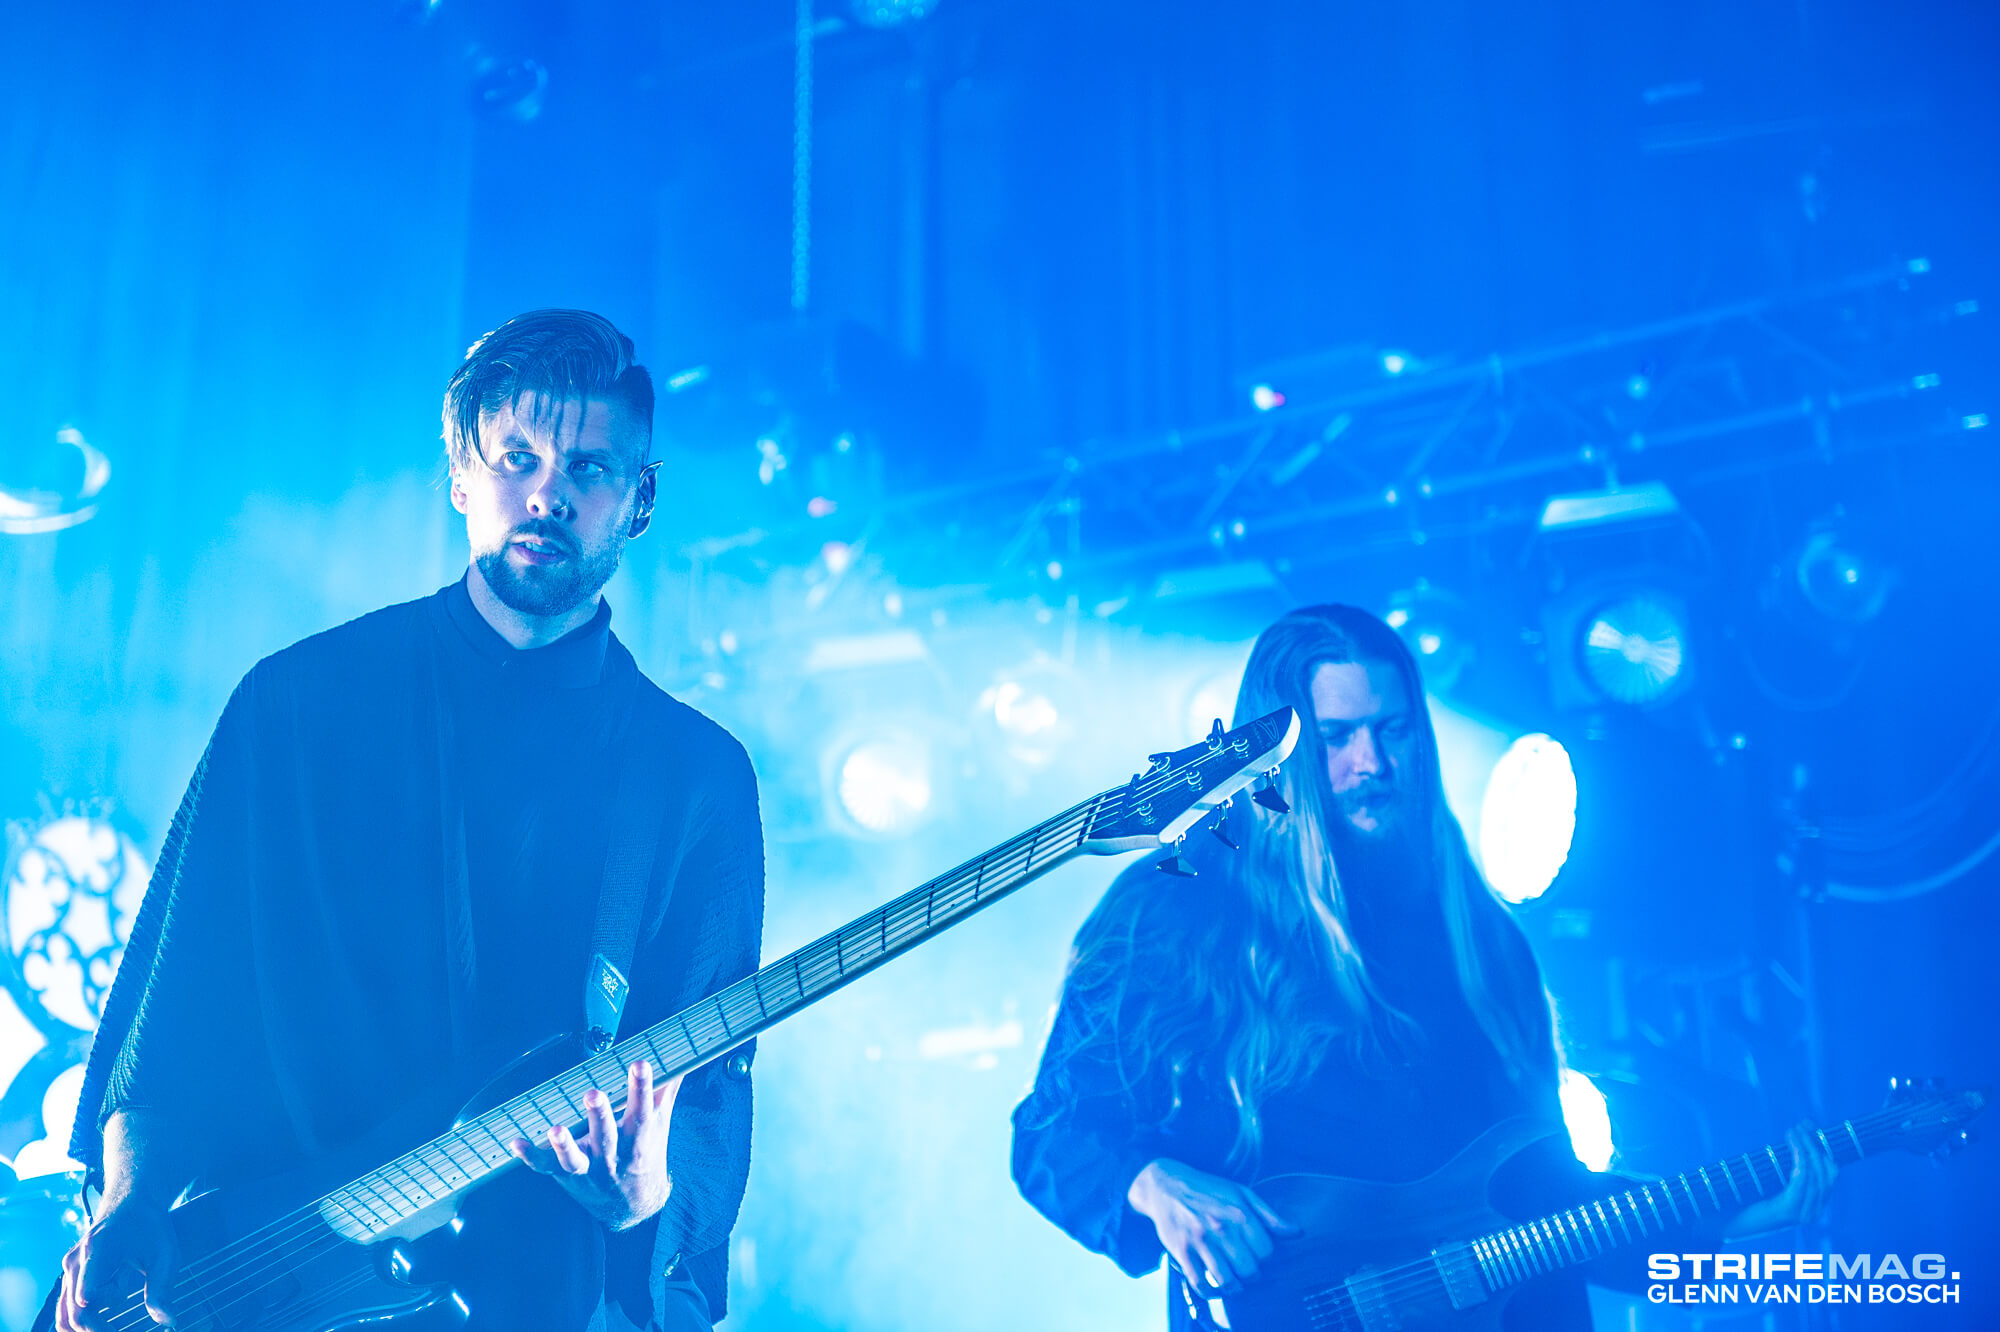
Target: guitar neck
{"type": "Point", "coordinates": [376, 1203]}
{"type": "Point", "coordinates": [1590, 1230]}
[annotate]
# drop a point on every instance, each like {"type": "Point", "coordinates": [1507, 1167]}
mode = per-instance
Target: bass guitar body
{"type": "Point", "coordinates": [1351, 1267]}
{"type": "Point", "coordinates": [265, 1256]}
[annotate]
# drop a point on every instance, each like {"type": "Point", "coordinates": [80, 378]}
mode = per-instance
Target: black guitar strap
{"type": "Point", "coordinates": [628, 865]}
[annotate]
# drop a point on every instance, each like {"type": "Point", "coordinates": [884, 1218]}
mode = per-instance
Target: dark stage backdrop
{"type": "Point", "coordinates": [242, 245]}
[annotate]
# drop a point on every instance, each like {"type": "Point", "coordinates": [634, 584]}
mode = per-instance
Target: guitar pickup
{"type": "Point", "coordinates": [1458, 1268]}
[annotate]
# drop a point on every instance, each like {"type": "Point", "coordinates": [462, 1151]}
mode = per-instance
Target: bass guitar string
{"type": "Point", "coordinates": [303, 1219]}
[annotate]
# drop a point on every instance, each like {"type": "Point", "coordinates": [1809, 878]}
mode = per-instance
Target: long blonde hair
{"type": "Point", "coordinates": [1272, 983]}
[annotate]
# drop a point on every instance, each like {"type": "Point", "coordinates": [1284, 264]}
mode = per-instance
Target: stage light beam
{"type": "Point", "coordinates": [884, 786]}
{"type": "Point", "coordinates": [1588, 1120]}
{"type": "Point", "coordinates": [1527, 819]}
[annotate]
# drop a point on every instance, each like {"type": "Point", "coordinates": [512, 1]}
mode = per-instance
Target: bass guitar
{"type": "Point", "coordinates": [334, 1245]}
{"type": "Point", "coordinates": [1432, 1256]}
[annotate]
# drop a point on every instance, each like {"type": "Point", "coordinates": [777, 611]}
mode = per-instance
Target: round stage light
{"type": "Point", "coordinates": [1437, 625]}
{"type": "Point", "coordinates": [884, 786]}
{"type": "Point", "coordinates": [1634, 649]}
{"type": "Point", "coordinates": [1527, 819]}
{"type": "Point", "coordinates": [1021, 712]}
{"type": "Point", "coordinates": [1588, 1120]}
{"type": "Point", "coordinates": [47, 491]}
{"type": "Point", "coordinates": [1840, 578]}
{"type": "Point", "coordinates": [1030, 711]}
{"type": "Point", "coordinates": [890, 13]}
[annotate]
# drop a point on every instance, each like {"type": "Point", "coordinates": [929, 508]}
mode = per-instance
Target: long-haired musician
{"type": "Point", "coordinates": [1344, 997]}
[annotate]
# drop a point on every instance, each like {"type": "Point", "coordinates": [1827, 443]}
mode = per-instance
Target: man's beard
{"type": "Point", "coordinates": [1388, 852]}
{"type": "Point", "coordinates": [553, 589]}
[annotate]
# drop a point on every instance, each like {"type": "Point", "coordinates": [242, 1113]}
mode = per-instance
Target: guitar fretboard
{"type": "Point", "coordinates": [383, 1199]}
{"type": "Point", "coordinates": [1579, 1234]}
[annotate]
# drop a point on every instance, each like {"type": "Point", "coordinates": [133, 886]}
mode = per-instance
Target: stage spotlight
{"type": "Point", "coordinates": [883, 786]}
{"type": "Point", "coordinates": [508, 89]}
{"type": "Point", "coordinates": [1265, 398]}
{"type": "Point", "coordinates": [1588, 1120]}
{"type": "Point", "coordinates": [890, 13]}
{"type": "Point", "coordinates": [49, 490]}
{"type": "Point", "coordinates": [1019, 711]}
{"type": "Point", "coordinates": [1527, 819]}
{"type": "Point", "coordinates": [1841, 579]}
{"type": "Point", "coordinates": [1033, 710]}
{"type": "Point", "coordinates": [1437, 626]}
{"type": "Point", "coordinates": [1634, 648]}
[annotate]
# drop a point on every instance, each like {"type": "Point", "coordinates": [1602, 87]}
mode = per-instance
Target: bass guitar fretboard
{"type": "Point", "coordinates": [385, 1198]}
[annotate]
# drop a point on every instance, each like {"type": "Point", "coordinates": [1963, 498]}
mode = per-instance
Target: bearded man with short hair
{"type": "Point", "coordinates": [388, 865]}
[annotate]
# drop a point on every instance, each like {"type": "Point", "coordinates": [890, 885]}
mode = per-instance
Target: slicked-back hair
{"type": "Point", "coordinates": [551, 355]}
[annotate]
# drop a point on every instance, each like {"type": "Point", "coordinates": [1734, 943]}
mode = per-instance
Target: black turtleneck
{"type": "Point", "coordinates": [384, 877]}
{"type": "Point", "coordinates": [536, 733]}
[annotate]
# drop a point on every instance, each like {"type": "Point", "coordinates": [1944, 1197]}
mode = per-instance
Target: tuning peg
{"type": "Point", "coordinates": [1267, 794]}
{"type": "Point", "coordinates": [1215, 734]}
{"type": "Point", "coordinates": [1176, 864]}
{"type": "Point", "coordinates": [1219, 825]}
{"type": "Point", "coordinates": [1953, 1143]}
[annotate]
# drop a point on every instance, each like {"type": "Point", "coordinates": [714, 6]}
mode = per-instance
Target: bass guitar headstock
{"type": "Point", "coordinates": [1158, 806]}
{"type": "Point", "coordinates": [1926, 1118]}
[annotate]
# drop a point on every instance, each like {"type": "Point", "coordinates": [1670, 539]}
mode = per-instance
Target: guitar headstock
{"type": "Point", "coordinates": [1158, 806]}
{"type": "Point", "coordinates": [1928, 1119]}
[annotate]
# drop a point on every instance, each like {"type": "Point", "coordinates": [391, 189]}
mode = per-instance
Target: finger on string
{"type": "Point", "coordinates": [638, 1096]}
{"type": "Point", "coordinates": [666, 1092]}
{"type": "Point", "coordinates": [603, 1129]}
{"type": "Point", "coordinates": [1193, 1273]}
{"type": "Point", "coordinates": [1242, 1259]}
{"type": "Point", "coordinates": [95, 1282]}
{"type": "Point", "coordinates": [70, 1289]}
{"type": "Point", "coordinates": [538, 1159]}
{"type": "Point", "coordinates": [1269, 1214]}
{"type": "Point", "coordinates": [66, 1300]}
{"type": "Point", "coordinates": [162, 1266]}
{"type": "Point", "coordinates": [569, 1156]}
{"type": "Point", "coordinates": [1216, 1272]}
{"type": "Point", "coordinates": [158, 1303]}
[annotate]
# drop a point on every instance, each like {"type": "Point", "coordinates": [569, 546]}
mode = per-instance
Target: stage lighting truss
{"type": "Point", "coordinates": [1342, 454]}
